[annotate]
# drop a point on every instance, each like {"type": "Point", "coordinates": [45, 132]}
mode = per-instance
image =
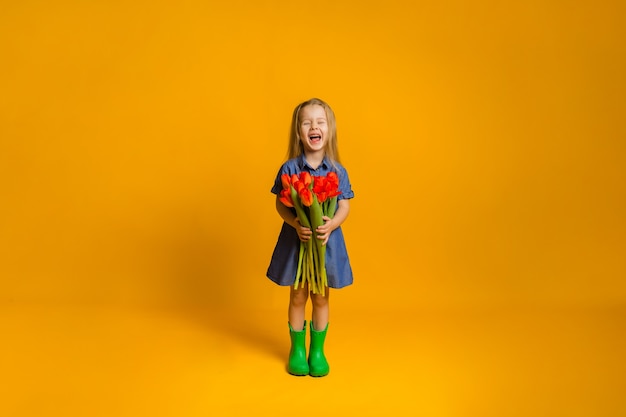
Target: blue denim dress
{"type": "Point", "coordinates": [284, 262]}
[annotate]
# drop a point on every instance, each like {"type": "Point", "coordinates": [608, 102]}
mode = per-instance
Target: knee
{"type": "Point", "coordinates": [319, 301]}
{"type": "Point", "coordinates": [299, 298]}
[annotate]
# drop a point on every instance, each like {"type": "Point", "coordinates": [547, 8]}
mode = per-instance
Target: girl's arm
{"type": "Point", "coordinates": [304, 233]}
{"type": "Point", "coordinates": [323, 232]}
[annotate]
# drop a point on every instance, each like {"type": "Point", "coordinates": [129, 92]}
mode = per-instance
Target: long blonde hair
{"type": "Point", "coordinates": [295, 145]}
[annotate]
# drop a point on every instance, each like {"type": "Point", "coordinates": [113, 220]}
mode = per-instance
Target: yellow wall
{"type": "Point", "coordinates": [485, 143]}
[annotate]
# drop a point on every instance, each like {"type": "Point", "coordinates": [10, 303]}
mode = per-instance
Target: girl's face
{"type": "Point", "coordinates": [313, 128]}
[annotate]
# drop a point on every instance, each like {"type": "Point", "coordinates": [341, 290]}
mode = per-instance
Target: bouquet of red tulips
{"type": "Point", "coordinates": [313, 198]}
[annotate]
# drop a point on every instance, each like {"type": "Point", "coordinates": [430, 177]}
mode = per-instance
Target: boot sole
{"type": "Point", "coordinates": [297, 373]}
{"type": "Point", "coordinates": [316, 375]}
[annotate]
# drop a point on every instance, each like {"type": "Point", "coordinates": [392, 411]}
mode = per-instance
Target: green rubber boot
{"type": "Point", "coordinates": [318, 366]}
{"type": "Point", "coordinates": [297, 355]}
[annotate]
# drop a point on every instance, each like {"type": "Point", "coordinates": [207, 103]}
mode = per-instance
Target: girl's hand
{"type": "Point", "coordinates": [323, 232]}
{"type": "Point", "coordinates": [304, 233]}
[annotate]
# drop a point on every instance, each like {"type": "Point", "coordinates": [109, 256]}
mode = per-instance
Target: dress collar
{"type": "Point", "coordinates": [303, 163]}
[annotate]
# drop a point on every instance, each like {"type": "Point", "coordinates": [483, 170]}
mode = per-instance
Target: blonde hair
{"type": "Point", "coordinates": [295, 145]}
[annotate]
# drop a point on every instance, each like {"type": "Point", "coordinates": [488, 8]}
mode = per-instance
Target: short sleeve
{"type": "Point", "coordinates": [344, 184]}
{"type": "Point", "coordinates": [290, 167]}
{"type": "Point", "coordinates": [278, 185]}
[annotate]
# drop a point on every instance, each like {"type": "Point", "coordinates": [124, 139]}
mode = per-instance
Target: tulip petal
{"type": "Point", "coordinates": [285, 179]}
{"type": "Point", "coordinates": [306, 196]}
{"type": "Point", "coordinates": [333, 178]}
{"type": "Point", "coordinates": [305, 177]}
{"type": "Point", "coordinates": [285, 198]}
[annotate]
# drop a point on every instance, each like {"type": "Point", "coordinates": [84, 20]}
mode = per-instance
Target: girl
{"type": "Point", "coordinates": [312, 148]}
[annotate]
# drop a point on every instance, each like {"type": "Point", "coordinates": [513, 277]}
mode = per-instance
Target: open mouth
{"type": "Point", "coordinates": [315, 138]}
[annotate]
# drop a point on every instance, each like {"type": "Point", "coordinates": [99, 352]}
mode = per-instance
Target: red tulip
{"type": "Point", "coordinates": [306, 196]}
{"type": "Point", "coordinates": [286, 181]}
{"type": "Point", "coordinates": [305, 177]}
{"type": "Point", "coordinates": [299, 186]}
{"type": "Point", "coordinates": [333, 179]}
{"type": "Point", "coordinates": [333, 184]}
{"type": "Point", "coordinates": [326, 187]}
{"type": "Point", "coordinates": [285, 197]}
{"type": "Point", "coordinates": [318, 188]}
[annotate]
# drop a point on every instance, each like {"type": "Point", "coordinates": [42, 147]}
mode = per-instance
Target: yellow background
{"type": "Point", "coordinates": [484, 140]}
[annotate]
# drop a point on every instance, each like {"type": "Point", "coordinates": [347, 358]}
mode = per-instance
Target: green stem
{"type": "Point", "coordinates": [299, 270]}
{"type": "Point", "coordinates": [320, 262]}
{"type": "Point", "coordinates": [311, 267]}
{"type": "Point", "coordinates": [303, 266]}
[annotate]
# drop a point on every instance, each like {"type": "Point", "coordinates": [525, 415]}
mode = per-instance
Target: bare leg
{"type": "Point", "coordinates": [297, 306]}
{"type": "Point", "coordinates": [320, 310]}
